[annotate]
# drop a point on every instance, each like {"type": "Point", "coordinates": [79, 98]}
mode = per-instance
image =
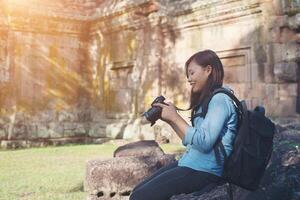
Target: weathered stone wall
{"type": "Point", "coordinates": [258, 42]}
{"type": "Point", "coordinates": [44, 97]}
{"type": "Point", "coordinates": [79, 71]}
{"type": "Point", "coordinates": [260, 60]}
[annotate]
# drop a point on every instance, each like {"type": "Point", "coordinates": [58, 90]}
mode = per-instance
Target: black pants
{"type": "Point", "coordinates": [172, 180]}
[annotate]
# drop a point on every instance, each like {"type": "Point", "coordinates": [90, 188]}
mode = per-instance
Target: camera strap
{"type": "Point", "coordinates": [179, 109]}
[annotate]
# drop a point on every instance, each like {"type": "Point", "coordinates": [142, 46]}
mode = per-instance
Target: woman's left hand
{"type": "Point", "coordinates": [168, 113]}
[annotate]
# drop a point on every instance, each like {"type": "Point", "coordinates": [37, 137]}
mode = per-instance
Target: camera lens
{"type": "Point", "coordinates": [153, 114]}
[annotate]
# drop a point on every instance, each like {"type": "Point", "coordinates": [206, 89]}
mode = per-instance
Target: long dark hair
{"type": "Point", "coordinates": [214, 80]}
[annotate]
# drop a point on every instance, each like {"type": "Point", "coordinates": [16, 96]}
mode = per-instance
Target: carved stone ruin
{"type": "Point", "coordinates": [86, 70]}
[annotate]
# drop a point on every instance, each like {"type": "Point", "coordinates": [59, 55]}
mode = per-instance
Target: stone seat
{"type": "Point", "coordinates": [208, 188]}
{"type": "Point", "coordinates": [220, 190]}
{"type": "Point", "coordinates": [115, 178]}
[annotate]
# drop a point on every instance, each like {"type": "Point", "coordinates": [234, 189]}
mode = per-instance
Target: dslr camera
{"type": "Point", "coordinates": [154, 113]}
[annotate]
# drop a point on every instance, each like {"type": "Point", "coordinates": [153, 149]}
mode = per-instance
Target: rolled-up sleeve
{"type": "Point", "coordinates": [204, 135]}
{"type": "Point", "coordinates": [188, 138]}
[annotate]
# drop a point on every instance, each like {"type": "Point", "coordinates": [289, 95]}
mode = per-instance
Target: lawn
{"type": "Point", "coordinates": [51, 173]}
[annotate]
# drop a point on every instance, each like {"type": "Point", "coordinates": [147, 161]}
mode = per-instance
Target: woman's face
{"type": "Point", "coordinates": [197, 76]}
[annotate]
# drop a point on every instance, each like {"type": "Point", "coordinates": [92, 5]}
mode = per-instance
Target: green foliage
{"type": "Point", "coordinates": [51, 173]}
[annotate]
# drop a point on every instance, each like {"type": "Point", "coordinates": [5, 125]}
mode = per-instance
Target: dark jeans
{"type": "Point", "coordinates": [172, 180]}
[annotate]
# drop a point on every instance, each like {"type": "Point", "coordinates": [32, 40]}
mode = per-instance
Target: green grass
{"type": "Point", "coordinates": [51, 173]}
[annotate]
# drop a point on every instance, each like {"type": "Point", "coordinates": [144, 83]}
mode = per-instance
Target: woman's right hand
{"type": "Point", "coordinates": [168, 113]}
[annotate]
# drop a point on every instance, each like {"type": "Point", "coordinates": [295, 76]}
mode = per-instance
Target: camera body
{"type": "Point", "coordinates": [154, 113]}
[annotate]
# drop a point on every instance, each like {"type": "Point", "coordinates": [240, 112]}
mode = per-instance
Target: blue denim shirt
{"type": "Point", "coordinates": [220, 120]}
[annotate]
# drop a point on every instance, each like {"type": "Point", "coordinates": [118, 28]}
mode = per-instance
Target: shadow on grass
{"type": "Point", "coordinates": [77, 188]}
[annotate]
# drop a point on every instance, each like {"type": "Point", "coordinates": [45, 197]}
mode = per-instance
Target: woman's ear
{"type": "Point", "coordinates": [208, 69]}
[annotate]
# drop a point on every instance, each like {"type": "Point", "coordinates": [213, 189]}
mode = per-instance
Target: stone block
{"type": "Point", "coordinates": [56, 129]}
{"type": "Point", "coordinates": [271, 91]}
{"type": "Point", "coordinates": [13, 144]}
{"type": "Point", "coordinates": [274, 53]}
{"type": "Point", "coordinates": [288, 90]}
{"type": "Point", "coordinates": [147, 132]}
{"type": "Point", "coordinates": [69, 129]}
{"type": "Point", "coordinates": [291, 51]}
{"type": "Point", "coordinates": [4, 120]}
{"type": "Point", "coordinates": [274, 35]}
{"type": "Point", "coordinates": [32, 130]}
{"type": "Point", "coordinates": [286, 71]}
{"type": "Point", "coordinates": [43, 131]}
{"type": "Point", "coordinates": [294, 21]}
{"type": "Point", "coordinates": [259, 89]}
{"type": "Point", "coordinates": [133, 128]}
{"type": "Point", "coordinates": [140, 148]}
{"type": "Point", "coordinates": [120, 100]}
{"type": "Point", "coordinates": [97, 116]}
{"type": "Point", "coordinates": [132, 131]}
{"type": "Point", "coordinates": [278, 52]}
{"type": "Point", "coordinates": [97, 130]}
{"type": "Point", "coordinates": [65, 116]}
{"type": "Point", "coordinates": [284, 107]}
{"type": "Point", "coordinates": [100, 140]}
{"type": "Point", "coordinates": [54, 134]}
{"type": "Point", "coordinates": [164, 132]}
{"type": "Point", "coordinates": [3, 134]}
{"type": "Point", "coordinates": [19, 131]}
{"type": "Point", "coordinates": [287, 36]}
{"type": "Point", "coordinates": [46, 116]}
{"type": "Point", "coordinates": [270, 105]}
{"type": "Point", "coordinates": [80, 130]}
{"type": "Point", "coordinates": [278, 21]}
{"type": "Point", "coordinates": [115, 178]}
{"type": "Point", "coordinates": [83, 115]}
{"type": "Point", "coordinates": [115, 130]}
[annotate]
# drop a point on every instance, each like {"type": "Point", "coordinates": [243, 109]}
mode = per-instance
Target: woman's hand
{"type": "Point", "coordinates": [168, 113]}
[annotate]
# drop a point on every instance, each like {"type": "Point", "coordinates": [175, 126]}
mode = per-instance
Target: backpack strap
{"type": "Point", "coordinates": [239, 108]}
{"type": "Point", "coordinates": [229, 93]}
{"type": "Point", "coordinates": [237, 104]}
{"type": "Point", "coordinates": [204, 107]}
{"type": "Point", "coordinates": [219, 146]}
{"type": "Point", "coordinates": [194, 116]}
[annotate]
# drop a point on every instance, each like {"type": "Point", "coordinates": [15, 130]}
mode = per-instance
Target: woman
{"type": "Point", "coordinates": [198, 166]}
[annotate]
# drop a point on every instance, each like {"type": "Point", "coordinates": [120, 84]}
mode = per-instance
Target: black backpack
{"type": "Point", "coordinates": [252, 147]}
